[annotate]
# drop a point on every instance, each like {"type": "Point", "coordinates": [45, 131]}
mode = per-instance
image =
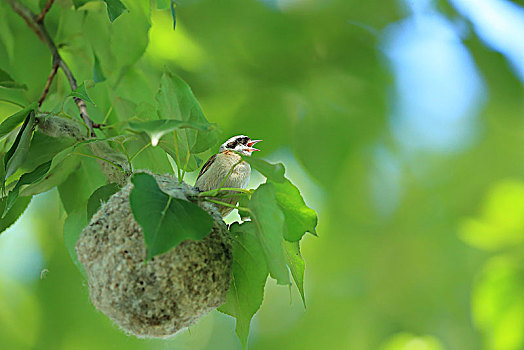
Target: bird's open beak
{"type": "Point", "coordinates": [250, 145]}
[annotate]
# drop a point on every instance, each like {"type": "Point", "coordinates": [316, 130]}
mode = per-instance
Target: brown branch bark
{"type": "Point", "coordinates": [52, 75]}
{"type": "Point", "coordinates": [32, 22]}
{"type": "Point", "coordinates": [45, 10]}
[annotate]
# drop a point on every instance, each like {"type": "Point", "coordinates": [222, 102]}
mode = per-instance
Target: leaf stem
{"type": "Point", "coordinates": [107, 114]}
{"type": "Point", "coordinates": [223, 197]}
{"type": "Point", "coordinates": [100, 158]}
{"type": "Point", "coordinates": [188, 155]}
{"type": "Point", "coordinates": [215, 192]}
{"type": "Point", "coordinates": [140, 150]}
{"type": "Point", "coordinates": [124, 150]}
{"type": "Point", "coordinates": [177, 158]}
{"type": "Point", "coordinates": [229, 174]}
{"type": "Point", "coordinates": [228, 205]}
{"type": "Point", "coordinates": [243, 190]}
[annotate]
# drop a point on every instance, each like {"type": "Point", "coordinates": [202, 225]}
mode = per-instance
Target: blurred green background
{"type": "Point", "coordinates": [402, 122]}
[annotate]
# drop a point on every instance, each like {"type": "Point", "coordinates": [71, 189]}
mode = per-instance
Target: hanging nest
{"type": "Point", "coordinates": [159, 297]}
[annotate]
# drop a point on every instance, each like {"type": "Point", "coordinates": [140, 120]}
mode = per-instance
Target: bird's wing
{"type": "Point", "coordinates": [207, 165]}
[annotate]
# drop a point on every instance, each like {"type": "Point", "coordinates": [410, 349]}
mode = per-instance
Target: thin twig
{"type": "Point", "coordinates": [126, 154]}
{"type": "Point", "coordinates": [54, 70]}
{"type": "Point", "coordinates": [39, 29]}
{"type": "Point", "coordinates": [45, 10]}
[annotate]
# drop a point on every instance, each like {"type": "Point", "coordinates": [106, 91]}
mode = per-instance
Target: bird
{"type": "Point", "coordinates": [214, 173]}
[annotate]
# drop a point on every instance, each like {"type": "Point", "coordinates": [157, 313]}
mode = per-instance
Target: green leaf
{"type": "Point", "coordinates": [20, 148]}
{"type": "Point", "coordinates": [114, 9]}
{"type": "Point", "coordinates": [76, 190]}
{"type": "Point", "coordinates": [244, 203]}
{"type": "Point", "coordinates": [296, 265]}
{"type": "Point", "coordinates": [98, 74]}
{"type": "Point", "coordinates": [14, 213]}
{"type": "Point", "coordinates": [497, 299]}
{"type": "Point", "coordinates": [134, 24]}
{"type": "Point", "coordinates": [14, 96]}
{"type": "Point", "coordinates": [6, 33]}
{"type": "Point", "coordinates": [152, 158]}
{"type": "Point", "coordinates": [2, 176]}
{"type": "Point", "coordinates": [299, 217]}
{"type": "Point", "coordinates": [10, 123]}
{"type": "Point", "coordinates": [175, 98]}
{"type": "Point", "coordinates": [146, 111]}
{"type": "Point", "coordinates": [405, 341]}
{"type": "Point", "coordinates": [501, 223]}
{"type": "Point", "coordinates": [13, 85]}
{"type": "Point", "coordinates": [269, 223]}
{"type": "Point", "coordinates": [158, 128]}
{"type": "Point", "coordinates": [188, 161]}
{"type": "Point", "coordinates": [4, 76]}
{"type": "Point", "coordinates": [26, 179]}
{"type": "Point", "coordinates": [8, 82]}
{"type": "Point", "coordinates": [73, 226]}
{"type": "Point", "coordinates": [43, 148]}
{"type": "Point", "coordinates": [176, 101]}
{"type": "Point", "coordinates": [62, 165]}
{"type": "Point", "coordinates": [274, 172]}
{"type": "Point", "coordinates": [101, 195]}
{"type": "Point", "coordinates": [248, 278]}
{"type": "Point", "coordinates": [124, 109]}
{"type": "Point", "coordinates": [80, 3]}
{"type": "Point", "coordinates": [81, 93]}
{"type": "Point", "coordinates": [163, 4]}
{"type": "Point", "coordinates": [165, 221]}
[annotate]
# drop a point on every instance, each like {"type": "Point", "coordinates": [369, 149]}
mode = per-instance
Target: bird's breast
{"type": "Point", "coordinates": [219, 170]}
{"type": "Point", "coordinates": [239, 177]}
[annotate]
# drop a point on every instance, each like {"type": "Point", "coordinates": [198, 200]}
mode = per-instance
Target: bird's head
{"type": "Point", "coordinates": [241, 144]}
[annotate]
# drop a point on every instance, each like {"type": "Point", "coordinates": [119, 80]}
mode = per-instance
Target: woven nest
{"type": "Point", "coordinates": [166, 294]}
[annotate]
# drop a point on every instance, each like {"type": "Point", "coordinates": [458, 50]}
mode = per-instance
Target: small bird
{"type": "Point", "coordinates": [216, 169]}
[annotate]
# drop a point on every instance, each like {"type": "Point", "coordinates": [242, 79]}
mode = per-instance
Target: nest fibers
{"type": "Point", "coordinates": [170, 292]}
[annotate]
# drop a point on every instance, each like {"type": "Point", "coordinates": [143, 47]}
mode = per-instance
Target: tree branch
{"type": "Point", "coordinates": [37, 26]}
{"type": "Point", "coordinates": [45, 10]}
{"type": "Point", "coordinates": [54, 70]}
